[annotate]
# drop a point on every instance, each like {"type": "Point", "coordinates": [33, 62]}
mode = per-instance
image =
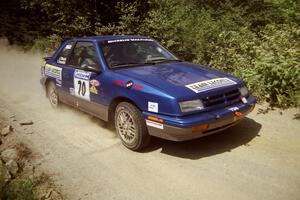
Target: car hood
{"type": "Point", "coordinates": [173, 77]}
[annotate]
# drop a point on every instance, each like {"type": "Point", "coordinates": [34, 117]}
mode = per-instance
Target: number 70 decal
{"type": "Point", "coordinates": [82, 87]}
{"type": "Point", "coordinates": [82, 84]}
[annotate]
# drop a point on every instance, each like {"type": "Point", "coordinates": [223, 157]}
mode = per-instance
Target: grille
{"type": "Point", "coordinates": [226, 98]}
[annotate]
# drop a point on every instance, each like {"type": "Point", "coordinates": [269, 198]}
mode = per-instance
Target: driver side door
{"type": "Point", "coordinates": [80, 75]}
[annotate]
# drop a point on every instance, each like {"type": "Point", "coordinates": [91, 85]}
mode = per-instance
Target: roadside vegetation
{"type": "Point", "coordinates": [256, 40]}
{"type": "Point", "coordinates": [21, 177]}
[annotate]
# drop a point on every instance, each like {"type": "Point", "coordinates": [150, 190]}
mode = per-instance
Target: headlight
{"type": "Point", "coordinates": [244, 91]}
{"type": "Point", "coordinates": [187, 106]}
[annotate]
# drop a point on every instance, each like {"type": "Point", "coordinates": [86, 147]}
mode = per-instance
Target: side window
{"type": "Point", "coordinates": [65, 53]}
{"type": "Point", "coordinates": [84, 54]}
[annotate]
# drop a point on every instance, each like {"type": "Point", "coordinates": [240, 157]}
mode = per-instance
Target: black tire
{"type": "Point", "coordinates": [52, 94]}
{"type": "Point", "coordinates": [140, 138]}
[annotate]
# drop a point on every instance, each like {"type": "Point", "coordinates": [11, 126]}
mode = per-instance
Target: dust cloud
{"type": "Point", "coordinates": [20, 74]}
{"type": "Point", "coordinates": [21, 90]}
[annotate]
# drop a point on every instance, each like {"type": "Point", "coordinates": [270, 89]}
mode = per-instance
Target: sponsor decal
{"type": "Point", "coordinates": [127, 84]}
{"type": "Point", "coordinates": [137, 87]}
{"type": "Point", "coordinates": [118, 82]}
{"type": "Point", "coordinates": [210, 84]}
{"type": "Point", "coordinates": [155, 124]}
{"type": "Point", "coordinates": [244, 100]}
{"type": "Point", "coordinates": [80, 74]}
{"type": "Point", "coordinates": [152, 107]}
{"type": "Point", "coordinates": [69, 46]}
{"type": "Point", "coordinates": [233, 109]}
{"type": "Point", "coordinates": [82, 84]}
{"type": "Point", "coordinates": [53, 71]}
{"type": "Point", "coordinates": [131, 40]}
{"type": "Point", "coordinates": [94, 83]}
{"type": "Point", "coordinates": [93, 89]}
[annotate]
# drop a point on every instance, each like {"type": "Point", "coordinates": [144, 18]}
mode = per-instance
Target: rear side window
{"type": "Point", "coordinates": [65, 53]}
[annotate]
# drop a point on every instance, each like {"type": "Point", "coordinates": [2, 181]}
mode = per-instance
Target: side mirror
{"type": "Point", "coordinates": [91, 68]}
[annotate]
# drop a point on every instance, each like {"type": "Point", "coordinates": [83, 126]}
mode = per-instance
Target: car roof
{"type": "Point", "coordinates": [109, 37]}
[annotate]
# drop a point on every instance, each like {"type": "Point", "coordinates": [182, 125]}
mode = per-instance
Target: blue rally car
{"type": "Point", "coordinates": [142, 87]}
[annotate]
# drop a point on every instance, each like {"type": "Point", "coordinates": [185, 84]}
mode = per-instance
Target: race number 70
{"type": "Point", "coordinates": [81, 88]}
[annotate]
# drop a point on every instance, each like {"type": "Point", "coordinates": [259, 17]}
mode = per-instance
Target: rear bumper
{"type": "Point", "coordinates": [181, 129]}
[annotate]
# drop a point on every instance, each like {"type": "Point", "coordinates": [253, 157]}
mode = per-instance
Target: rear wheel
{"type": "Point", "coordinates": [52, 94]}
{"type": "Point", "coordinates": [131, 126]}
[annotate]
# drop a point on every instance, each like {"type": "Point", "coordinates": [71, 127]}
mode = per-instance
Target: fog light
{"type": "Point", "coordinates": [199, 128]}
{"type": "Point", "coordinates": [155, 119]}
{"type": "Point", "coordinates": [238, 114]}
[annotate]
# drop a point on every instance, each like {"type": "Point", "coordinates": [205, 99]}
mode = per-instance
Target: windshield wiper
{"type": "Point", "coordinates": [150, 62]}
{"type": "Point", "coordinates": [131, 64]}
{"type": "Point", "coordinates": [125, 64]}
{"type": "Point", "coordinates": [164, 60]}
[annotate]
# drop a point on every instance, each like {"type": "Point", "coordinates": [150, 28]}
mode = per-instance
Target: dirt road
{"type": "Point", "coordinates": [257, 159]}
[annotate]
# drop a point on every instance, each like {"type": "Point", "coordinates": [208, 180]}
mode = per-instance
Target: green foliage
{"type": "Point", "coordinates": [47, 45]}
{"type": "Point", "coordinates": [172, 23]}
{"type": "Point", "coordinates": [278, 64]}
{"type": "Point", "coordinates": [127, 25]}
{"type": "Point", "coordinates": [20, 189]}
{"type": "Point", "coordinates": [256, 40]}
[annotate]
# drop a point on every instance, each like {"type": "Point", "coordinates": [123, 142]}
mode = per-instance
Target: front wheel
{"type": "Point", "coordinates": [131, 126]}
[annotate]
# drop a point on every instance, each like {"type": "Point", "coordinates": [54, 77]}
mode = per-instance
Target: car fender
{"type": "Point", "coordinates": [142, 95]}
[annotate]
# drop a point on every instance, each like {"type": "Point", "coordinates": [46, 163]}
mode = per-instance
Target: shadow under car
{"type": "Point", "coordinates": [223, 141]}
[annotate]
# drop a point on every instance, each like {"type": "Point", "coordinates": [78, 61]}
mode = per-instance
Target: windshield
{"type": "Point", "coordinates": [124, 53]}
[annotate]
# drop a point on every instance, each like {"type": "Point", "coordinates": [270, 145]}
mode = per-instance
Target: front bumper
{"type": "Point", "coordinates": [181, 128]}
